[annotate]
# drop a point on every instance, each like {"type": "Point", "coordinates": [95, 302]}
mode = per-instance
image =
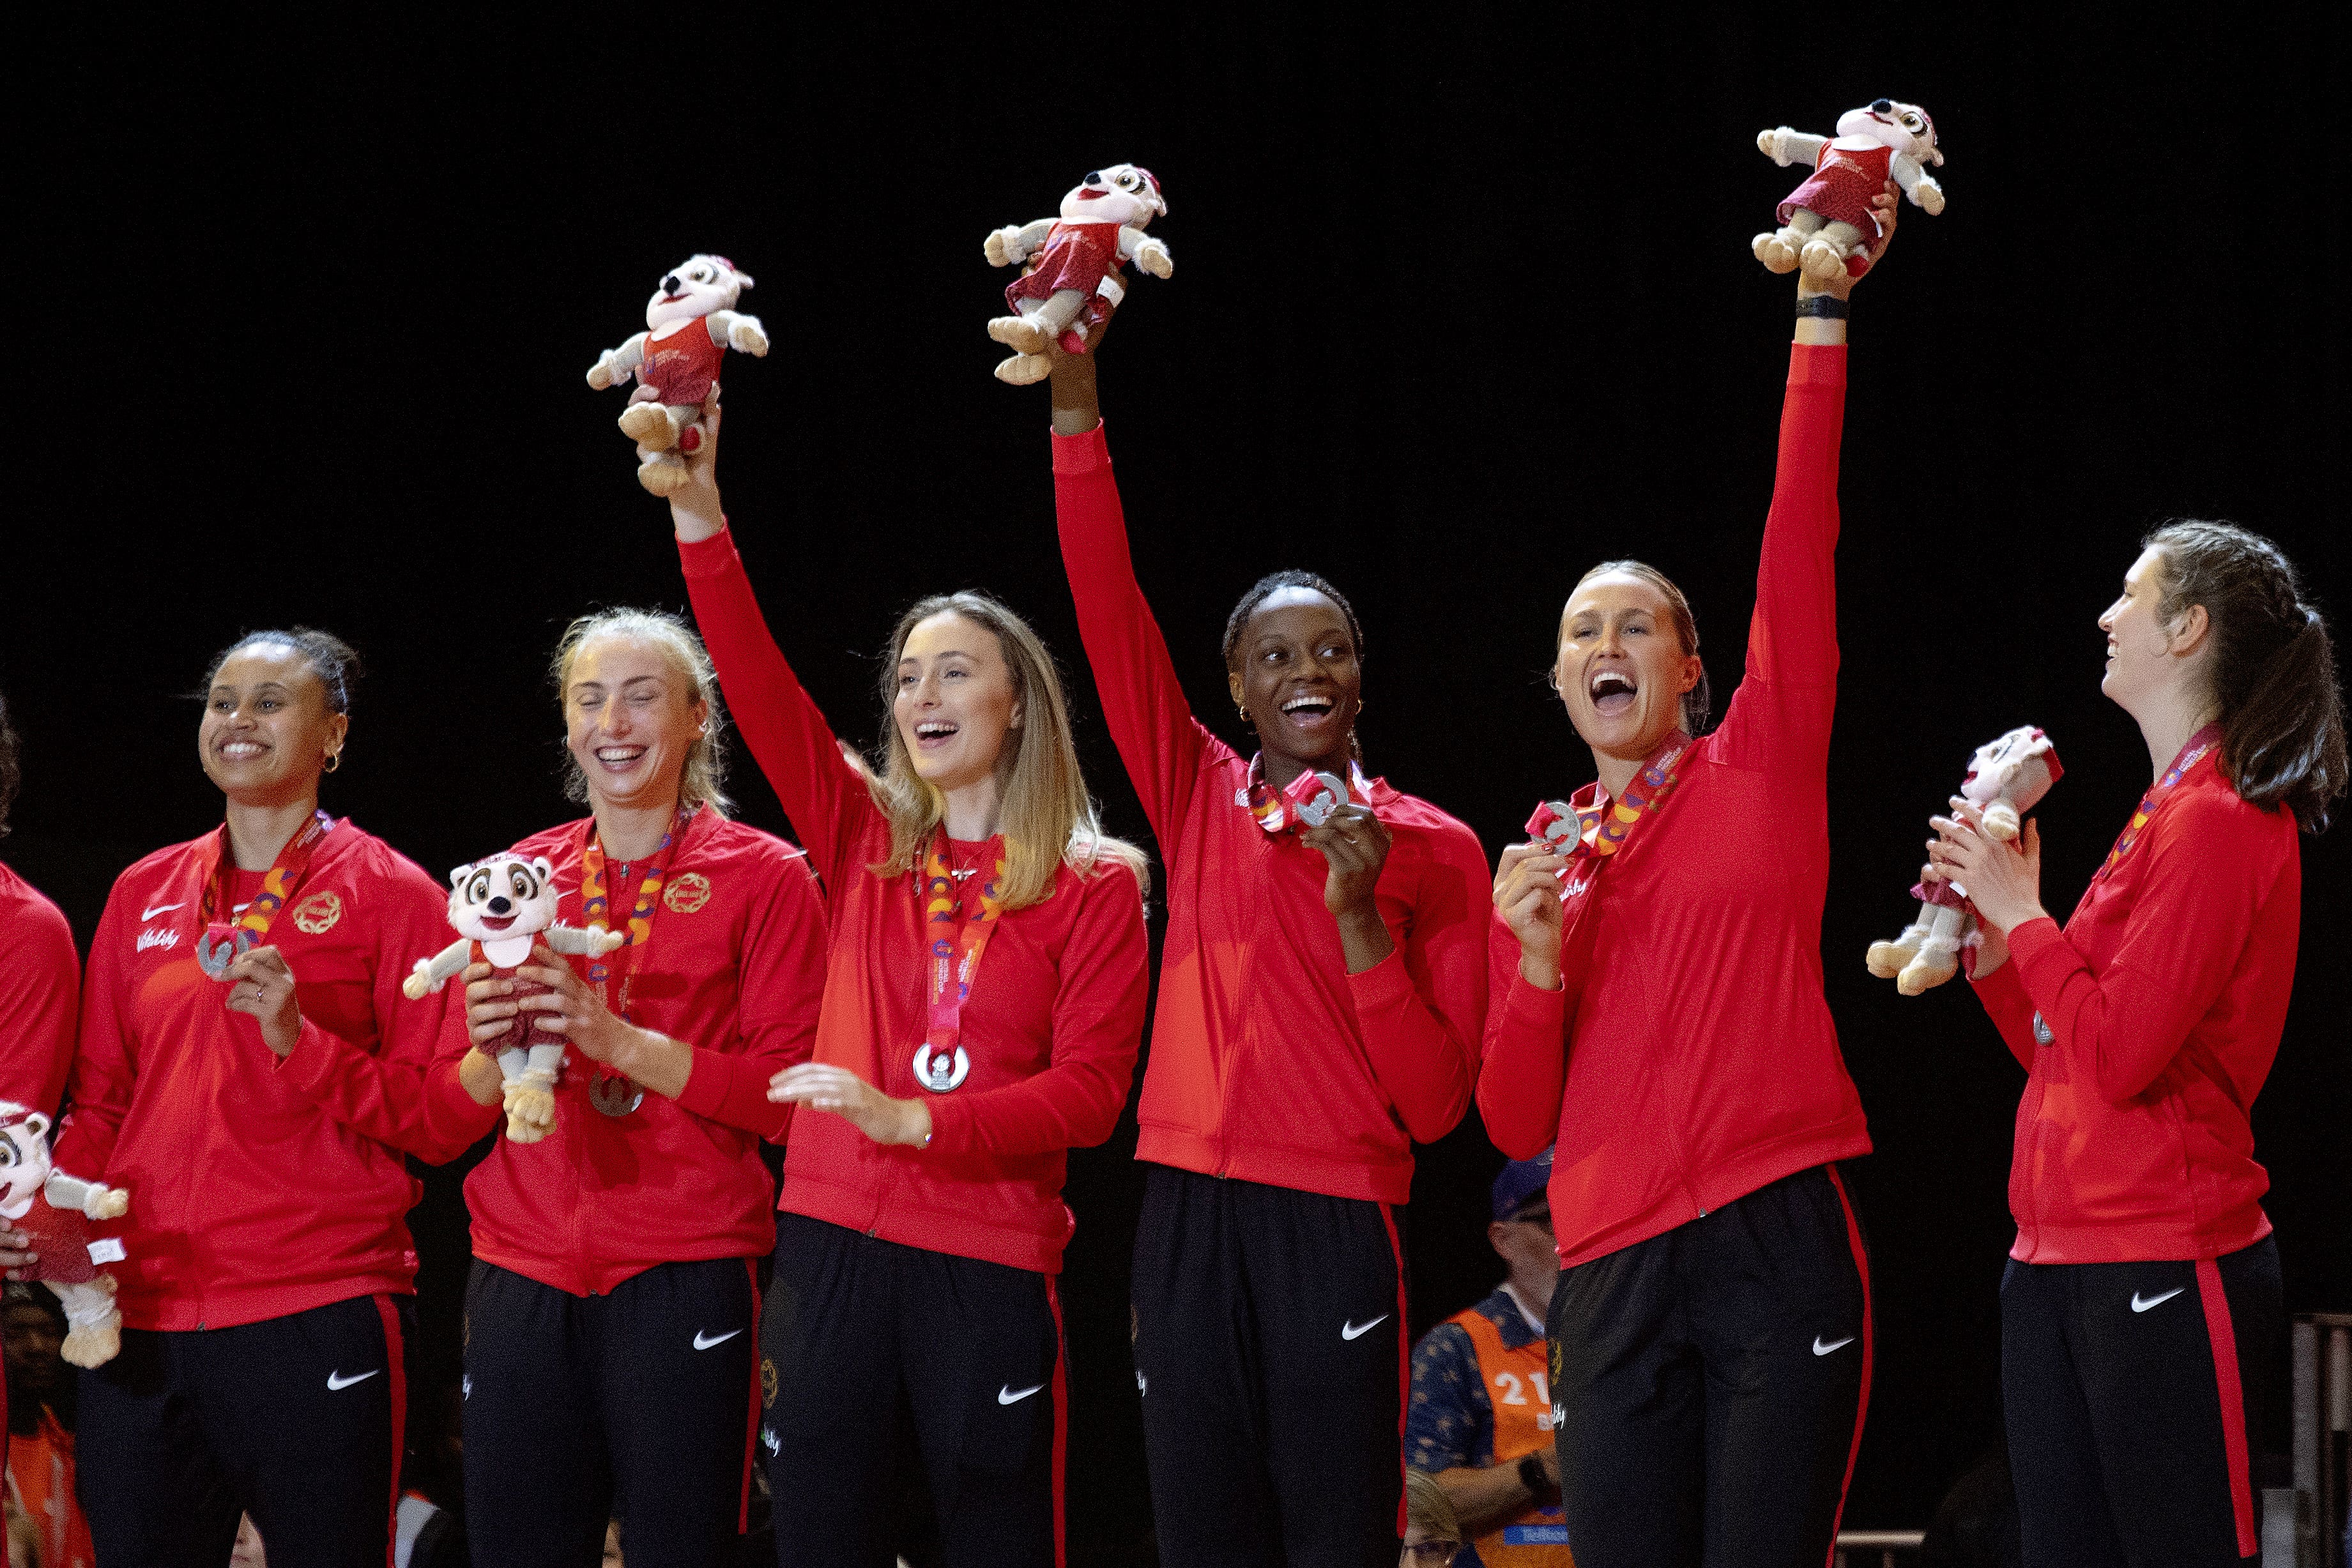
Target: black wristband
{"type": "Point", "coordinates": [1828, 306]}
{"type": "Point", "coordinates": [1532, 1476]}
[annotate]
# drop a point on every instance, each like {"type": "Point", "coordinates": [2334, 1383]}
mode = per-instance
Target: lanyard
{"type": "Point", "coordinates": [954, 941]}
{"type": "Point", "coordinates": [596, 908]}
{"type": "Point", "coordinates": [2203, 741]}
{"type": "Point", "coordinates": [1603, 828]}
{"type": "Point", "coordinates": [1272, 812]}
{"type": "Point", "coordinates": [224, 939]}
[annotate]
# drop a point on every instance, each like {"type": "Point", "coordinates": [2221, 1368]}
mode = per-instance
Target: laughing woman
{"type": "Point", "coordinates": [1659, 1013]}
{"type": "Point", "coordinates": [983, 1005]}
{"type": "Point", "coordinates": [2143, 1294]}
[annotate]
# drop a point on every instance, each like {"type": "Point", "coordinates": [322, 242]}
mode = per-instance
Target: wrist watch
{"type": "Point", "coordinates": [1531, 1474]}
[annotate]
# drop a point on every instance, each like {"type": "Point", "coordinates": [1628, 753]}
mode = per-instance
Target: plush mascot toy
{"type": "Point", "coordinates": [1826, 223]}
{"type": "Point", "coordinates": [2006, 779]}
{"type": "Point", "coordinates": [55, 1210]}
{"type": "Point", "coordinates": [1074, 278]}
{"type": "Point", "coordinates": [499, 906]}
{"type": "Point", "coordinates": [690, 323]}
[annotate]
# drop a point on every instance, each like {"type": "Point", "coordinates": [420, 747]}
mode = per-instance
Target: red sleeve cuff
{"type": "Point", "coordinates": [2037, 945]}
{"type": "Point", "coordinates": [1081, 454]}
{"type": "Point", "coordinates": [712, 556]}
{"type": "Point", "coordinates": [1817, 364]}
{"type": "Point", "coordinates": [312, 1060]}
{"type": "Point", "coordinates": [951, 1125]}
{"type": "Point", "coordinates": [1532, 1007]}
{"type": "Point", "coordinates": [706, 1084]}
{"type": "Point", "coordinates": [1383, 985]}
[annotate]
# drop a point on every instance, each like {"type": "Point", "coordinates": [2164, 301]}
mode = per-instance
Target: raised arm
{"type": "Point", "coordinates": [825, 795]}
{"type": "Point", "coordinates": [1143, 702]}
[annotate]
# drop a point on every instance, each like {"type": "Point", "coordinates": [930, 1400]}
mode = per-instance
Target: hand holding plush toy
{"type": "Point", "coordinates": [1074, 278]}
{"type": "Point", "coordinates": [1826, 224]}
{"type": "Point", "coordinates": [500, 906]}
{"type": "Point", "coordinates": [54, 1210]}
{"type": "Point", "coordinates": [690, 323]}
{"type": "Point", "coordinates": [2007, 778]}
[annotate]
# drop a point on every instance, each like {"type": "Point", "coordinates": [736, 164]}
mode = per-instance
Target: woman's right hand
{"type": "Point", "coordinates": [1078, 407]}
{"type": "Point", "coordinates": [695, 511]}
{"type": "Point", "coordinates": [1527, 895]}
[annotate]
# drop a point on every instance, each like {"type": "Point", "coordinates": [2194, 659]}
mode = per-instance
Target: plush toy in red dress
{"type": "Point", "coordinates": [54, 1210]}
{"type": "Point", "coordinates": [1075, 276]}
{"type": "Point", "coordinates": [690, 323]}
{"type": "Point", "coordinates": [1826, 223]}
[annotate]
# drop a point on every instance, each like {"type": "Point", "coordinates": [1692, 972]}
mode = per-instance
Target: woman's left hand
{"type": "Point", "coordinates": [1355, 845]}
{"type": "Point", "coordinates": [261, 983]}
{"type": "Point", "coordinates": [569, 1008]}
{"type": "Point", "coordinates": [2003, 880]}
{"type": "Point", "coordinates": [824, 1087]}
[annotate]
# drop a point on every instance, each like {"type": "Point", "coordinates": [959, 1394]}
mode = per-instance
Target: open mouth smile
{"type": "Point", "coordinates": [1613, 693]}
{"type": "Point", "coordinates": [619, 758]}
{"type": "Point", "coordinates": [497, 921]}
{"type": "Point", "coordinates": [1310, 710]}
{"type": "Point", "coordinates": [933, 733]}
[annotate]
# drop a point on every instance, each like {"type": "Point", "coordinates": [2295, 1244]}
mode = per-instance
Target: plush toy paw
{"type": "Point", "coordinates": [2001, 822]}
{"type": "Point", "coordinates": [1153, 257]}
{"type": "Point", "coordinates": [1022, 334]}
{"type": "Point", "coordinates": [603, 940]}
{"type": "Point", "coordinates": [1938, 961]}
{"type": "Point", "coordinates": [1821, 261]}
{"type": "Point", "coordinates": [94, 1345]}
{"type": "Point", "coordinates": [1022, 369]}
{"type": "Point", "coordinates": [663, 475]}
{"type": "Point", "coordinates": [1929, 196]}
{"type": "Point", "coordinates": [419, 982]}
{"type": "Point", "coordinates": [531, 1107]}
{"type": "Point", "coordinates": [647, 424]}
{"type": "Point", "coordinates": [1774, 144]}
{"type": "Point", "coordinates": [1777, 253]}
{"type": "Point", "coordinates": [1003, 246]}
{"type": "Point", "coordinates": [106, 1203]}
{"type": "Point", "coordinates": [746, 337]}
{"type": "Point", "coordinates": [1886, 959]}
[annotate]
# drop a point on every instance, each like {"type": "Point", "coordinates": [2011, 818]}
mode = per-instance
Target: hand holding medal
{"type": "Point", "coordinates": [261, 985]}
{"type": "Point", "coordinates": [1527, 896]}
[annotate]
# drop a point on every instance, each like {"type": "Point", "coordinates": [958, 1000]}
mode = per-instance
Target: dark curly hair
{"type": "Point", "coordinates": [2272, 665]}
{"type": "Point", "coordinates": [1266, 587]}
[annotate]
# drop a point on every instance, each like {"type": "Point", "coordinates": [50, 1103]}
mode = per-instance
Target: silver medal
{"type": "Point", "coordinates": [213, 958]}
{"type": "Point", "coordinates": [1317, 809]}
{"type": "Point", "coordinates": [940, 1072]}
{"type": "Point", "coordinates": [614, 1095]}
{"type": "Point", "coordinates": [2042, 1035]}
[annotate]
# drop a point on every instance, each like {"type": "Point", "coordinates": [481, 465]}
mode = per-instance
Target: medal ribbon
{"type": "Point", "coordinates": [278, 884]}
{"type": "Point", "coordinates": [596, 905]}
{"type": "Point", "coordinates": [1603, 827]}
{"type": "Point", "coordinates": [1272, 812]}
{"type": "Point", "coordinates": [953, 941]}
{"type": "Point", "coordinates": [2203, 741]}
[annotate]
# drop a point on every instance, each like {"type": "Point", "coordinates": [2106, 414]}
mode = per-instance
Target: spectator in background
{"type": "Point", "coordinates": [1481, 1417]}
{"type": "Point", "coordinates": [40, 1480]}
{"type": "Point", "coordinates": [1432, 1538]}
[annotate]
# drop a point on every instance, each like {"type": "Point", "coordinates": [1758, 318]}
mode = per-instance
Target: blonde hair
{"type": "Point", "coordinates": [1426, 1504]}
{"type": "Point", "coordinates": [1048, 818]}
{"type": "Point", "coordinates": [702, 781]}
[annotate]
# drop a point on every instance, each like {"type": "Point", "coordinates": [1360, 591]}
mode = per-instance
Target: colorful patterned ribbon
{"type": "Point", "coordinates": [955, 941]}
{"type": "Point", "coordinates": [597, 905]}
{"type": "Point", "coordinates": [1603, 827]}
{"type": "Point", "coordinates": [280, 884]}
{"type": "Point", "coordinates": [1272, 813]}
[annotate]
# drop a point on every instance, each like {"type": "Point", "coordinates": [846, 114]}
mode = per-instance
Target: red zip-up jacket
{"type": "Point", "coordinates": [1688, 1057]}
{"type": "Point", "coordinates": [1269, 1062]}
{"type": "Point", "coordinates": [41, 986]}
{"type": "Point", "coordinates": [2164, 998]}
{"type": "Point", "coordinates": [1052, 1027]}
{"type": "Point", "coordinates": [734, 967]}
{"type": "Point", "coordinates": [248, 1199]}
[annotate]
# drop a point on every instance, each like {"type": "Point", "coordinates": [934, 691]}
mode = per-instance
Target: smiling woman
{"type": "Point", "coordinates": [266, 1286]}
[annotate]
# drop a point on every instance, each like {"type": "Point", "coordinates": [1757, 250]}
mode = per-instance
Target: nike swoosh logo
{"type": "Point", "coordinates": [161, 909]}
{"type": "Point", "coordinates": [1350, 1331]}
{"type": "Point", "coordinates": [702, 1344]}
{"type": "Point", "coordinates": [1820, 1349]}
{"type": "Point", "coordinates": [336, 1381]}
{"type": "Point", "coordinates": [2141, 1305]}
{"type": "Point", "coordinates": [1005, 1395]}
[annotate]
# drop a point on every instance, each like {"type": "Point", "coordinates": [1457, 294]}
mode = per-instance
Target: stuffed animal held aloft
{"type": "Point", "coordinates": [1826, 224]}
{"type": "Point", "coordinates": [2007, 778]}
{"type": "Point", "coordinates": [1074, 278]}
{"type": "Point", "coordinates": [54, 1210]}
{"type": "Point", "coordinates": [500, 906]}
{"type": "Point", "coordinates": [690, 323]}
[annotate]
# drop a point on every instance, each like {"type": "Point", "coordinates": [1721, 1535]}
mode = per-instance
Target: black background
{"type": "Point", "coordinates": [1464, 303]}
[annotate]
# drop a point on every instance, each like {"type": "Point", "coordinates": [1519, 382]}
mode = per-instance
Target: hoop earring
{"type": "Point", "coordinates": [334, 760]}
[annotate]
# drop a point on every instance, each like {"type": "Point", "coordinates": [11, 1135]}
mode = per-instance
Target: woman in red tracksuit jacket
{"type": "Point", "coordinates": [1658, 1013]}
{"type": "Point", "coordinates": [983, 1005]}
{"type": "Point", "coordinates": [1321, 991]}
{"type": "Point", "coordinates": [266, 1290]}
{"type": "Point", "coordinates": [40, 985]}
{"type": "Point", "coordinates": [2143, 1334]}
{"type": "Point", "coordinates": [612, 1315]}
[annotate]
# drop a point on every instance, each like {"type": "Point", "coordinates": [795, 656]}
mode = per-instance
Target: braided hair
{"type": "Point", "coordinates": [2272, 665]}
{"type": "Point", "coordinates": [331, 659]}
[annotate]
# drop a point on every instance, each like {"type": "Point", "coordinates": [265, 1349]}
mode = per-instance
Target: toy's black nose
{"type": "Point", "coordinates": [1881, 105]}
{"type": "Point", "coordinates": [669, 284]}
{"type": "Point", "coordinates": [500, 906]}
{"type": "Point", "coordinates": [1094, 176]}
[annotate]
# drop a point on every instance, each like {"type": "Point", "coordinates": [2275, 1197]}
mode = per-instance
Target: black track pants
{"type": "Point", "coordinates": [636, 1403]}
{"type": "Point", "coordinates": [296, 1420]}
{"type": "Point", "coordinates": [1270, 1353]}
{"type": "Point", "coordinates": [859, 1328]}
{"type": "Point", "coordinates": [1708, 1384]}
{"type": "Point", "coordinates": [2148, 1405]}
